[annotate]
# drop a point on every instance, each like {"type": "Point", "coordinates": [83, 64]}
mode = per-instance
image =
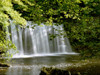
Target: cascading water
{"type": "Point", "coordinates": [37, 41]}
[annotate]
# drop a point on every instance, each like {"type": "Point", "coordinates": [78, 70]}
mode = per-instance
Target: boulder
{"type": "Point", "coordinates": [4, 65]}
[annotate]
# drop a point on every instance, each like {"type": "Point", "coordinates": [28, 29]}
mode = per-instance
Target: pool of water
{"type": "Point", "coordinates": [33, 65]}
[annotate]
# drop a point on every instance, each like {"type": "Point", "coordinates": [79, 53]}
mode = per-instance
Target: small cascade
{"type": "Point", "coordinates": [38, 40]}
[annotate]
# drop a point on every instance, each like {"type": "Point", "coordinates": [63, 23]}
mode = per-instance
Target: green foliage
{"type": "Point", "coordinates": [59, 11]}
{"type": "Point", "coordinates": [84, 37]}
{"type": "Point", "coordinates": [7, 12]}
{"type": "Point", "coordinates": [5, 46]}
{"type": "Point", "coordinates": [80, 19]}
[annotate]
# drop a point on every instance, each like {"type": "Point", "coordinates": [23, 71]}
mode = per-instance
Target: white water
{"type": "Point", "coordinates": [36, 42]}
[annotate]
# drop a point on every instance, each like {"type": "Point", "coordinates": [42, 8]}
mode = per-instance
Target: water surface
{"type": "Point", "coordinates": [33, 65]}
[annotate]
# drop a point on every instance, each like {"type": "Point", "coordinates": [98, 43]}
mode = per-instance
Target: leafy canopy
{"type": "Point", "coordinates": [80, 18]}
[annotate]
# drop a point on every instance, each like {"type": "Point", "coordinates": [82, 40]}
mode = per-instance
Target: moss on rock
{"type": "Point", "coordinates": [86, 67]}
{"type": "Point", "coordinates": [53, 71]}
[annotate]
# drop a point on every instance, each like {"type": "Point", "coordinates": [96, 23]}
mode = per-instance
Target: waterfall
{"type": "Point", "coordinates": [38, 40]}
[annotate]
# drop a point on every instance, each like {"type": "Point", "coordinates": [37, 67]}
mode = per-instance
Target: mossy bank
{"type": "Point", "coordinates": [83, 67]}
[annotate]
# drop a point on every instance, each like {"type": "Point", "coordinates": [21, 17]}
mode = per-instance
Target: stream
{"type": "Point", "coordinates": [33, 65]}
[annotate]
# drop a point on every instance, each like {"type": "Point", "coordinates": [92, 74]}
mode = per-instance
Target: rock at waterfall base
{"type": "Point", "coordinates": [86, 67]}
{"type": "Point", "coordinates": [4, 65]}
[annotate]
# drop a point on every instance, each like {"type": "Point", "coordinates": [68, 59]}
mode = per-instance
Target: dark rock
{"type": "Point", "coordinates": [4, 65]}
{"type": "Point", "coordinates": [51, 71]}
{"type": "Point", "coordinates": [59, 72]}
{"type": "Point", "coordinates": [42, 73]}
{"type": "Point", "coordinates": [84, 67]}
